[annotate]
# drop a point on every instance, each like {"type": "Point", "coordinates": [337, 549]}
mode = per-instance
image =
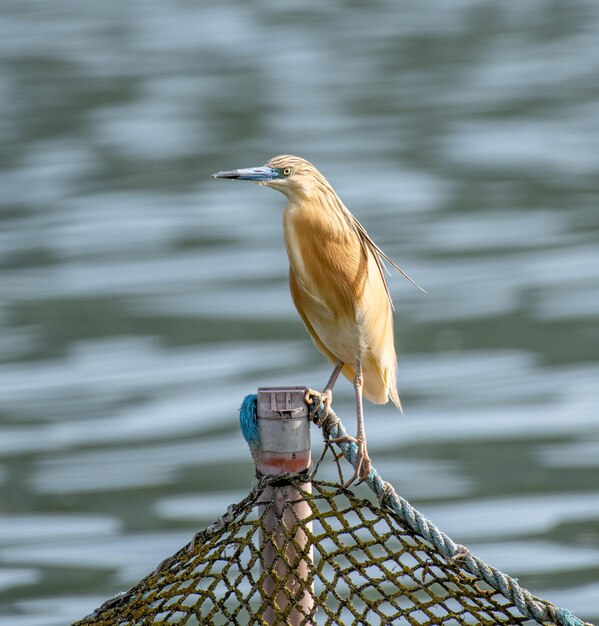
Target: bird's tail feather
{"type": "Point", "coordinates": [394, 395]}
{"type": "Point", "coordinates": [380, 385]}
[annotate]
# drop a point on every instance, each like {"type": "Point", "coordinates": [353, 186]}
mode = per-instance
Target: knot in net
{"type": "Point", "coordinates": [302, 553]}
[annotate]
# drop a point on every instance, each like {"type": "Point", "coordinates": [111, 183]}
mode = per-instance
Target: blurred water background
{"type": "Point", "coordinates": [140, 300]}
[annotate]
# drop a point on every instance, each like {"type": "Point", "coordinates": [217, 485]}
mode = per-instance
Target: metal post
{"type": "Point", "coordinates": [284, 427]}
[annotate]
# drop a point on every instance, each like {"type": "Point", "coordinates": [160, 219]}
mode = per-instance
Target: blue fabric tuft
{"type": "Point", "coordinates": [248, 421]}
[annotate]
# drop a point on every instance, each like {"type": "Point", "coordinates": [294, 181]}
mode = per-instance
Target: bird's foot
{"type": "Point", "coordinates": [363, 463]}
{"type": "Point", "coordinates": [315, 399]}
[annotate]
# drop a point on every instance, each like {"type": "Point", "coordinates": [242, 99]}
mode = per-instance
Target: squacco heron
{"type": "Point", "coordinates": [338, 285]}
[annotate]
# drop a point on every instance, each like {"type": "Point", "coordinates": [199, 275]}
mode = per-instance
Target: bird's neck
{"type": "Point", "coordinates": [319, 209]}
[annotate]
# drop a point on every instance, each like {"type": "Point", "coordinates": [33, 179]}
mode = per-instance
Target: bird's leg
{"type": "Point", "coordinates": [326, 397]}
{"type": "Point", "coordinates": [328, 390]}
{"type": "Point", "coordinates": [363, 464]}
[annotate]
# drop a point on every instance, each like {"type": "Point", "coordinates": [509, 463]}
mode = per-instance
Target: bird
{"type": "Point", "coordinates": [338, 285]}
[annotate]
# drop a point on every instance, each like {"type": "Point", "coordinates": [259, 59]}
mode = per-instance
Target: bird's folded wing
{"type": "Point", "coordinates": [379, 255]}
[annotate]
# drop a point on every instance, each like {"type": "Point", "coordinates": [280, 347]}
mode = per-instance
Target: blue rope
{"type": "Point", "coordinates": [565, 617]}
{"type": "Point", "coordinates": [527, 604]}
{"type": "Point", "coordinates": [248, 421]}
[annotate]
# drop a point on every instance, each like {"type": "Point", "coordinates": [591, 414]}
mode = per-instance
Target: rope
{"type": "Point", "coordinates": [528, 604]}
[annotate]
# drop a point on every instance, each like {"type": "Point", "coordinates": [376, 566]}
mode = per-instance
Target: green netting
{"type": "Point", "coordinates": [303, 552]}
{"type": "Point", "coordinates": [367, 567]}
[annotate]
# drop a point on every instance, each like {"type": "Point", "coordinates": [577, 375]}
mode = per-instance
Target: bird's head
{"type": "Point", "coordinates": [291, 175]}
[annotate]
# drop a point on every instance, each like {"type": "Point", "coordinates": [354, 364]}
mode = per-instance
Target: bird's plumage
{"type": "Point", "coordinates": [337, 281]}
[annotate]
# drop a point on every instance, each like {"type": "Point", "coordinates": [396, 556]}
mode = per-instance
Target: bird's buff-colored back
{"type": "Point", "coordinates": [337, 281]}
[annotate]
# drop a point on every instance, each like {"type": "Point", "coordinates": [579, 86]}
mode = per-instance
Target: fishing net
{"type": "Point", "coordinates": [367, 567]}
{"type": "Point", "coordinates": [302, 552]}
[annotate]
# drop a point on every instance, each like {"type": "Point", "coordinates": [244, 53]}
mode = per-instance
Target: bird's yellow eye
{"type": "Point", "coordinates": [287, 171]}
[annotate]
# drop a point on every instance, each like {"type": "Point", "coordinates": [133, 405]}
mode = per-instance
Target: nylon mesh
{"type": "Point", "coordinates": [368, 568]}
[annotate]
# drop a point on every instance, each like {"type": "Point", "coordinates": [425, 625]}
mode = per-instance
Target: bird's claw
{"type": "Point", "coordinates": [314, 399]}
{"type": "Point", "coordinates": [310, 396]}
{"type": "Point", "coordinates": [363, 463]}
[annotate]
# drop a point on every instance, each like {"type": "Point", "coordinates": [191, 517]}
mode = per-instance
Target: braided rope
{"type": "Point", "coordinates": [528, 604]}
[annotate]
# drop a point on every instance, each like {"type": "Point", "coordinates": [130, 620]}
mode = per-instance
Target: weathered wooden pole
{"type": "Point", "coordinates": [284, 426]}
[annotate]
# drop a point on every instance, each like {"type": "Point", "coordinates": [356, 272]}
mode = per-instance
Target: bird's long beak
{"type": "Point", "coordinates": [258, 174]}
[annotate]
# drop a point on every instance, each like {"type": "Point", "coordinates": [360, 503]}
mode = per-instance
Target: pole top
{"type": "Point", "coordinates": [281, 402]}
{"type": "Point", "coordinates": [284, 425]}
